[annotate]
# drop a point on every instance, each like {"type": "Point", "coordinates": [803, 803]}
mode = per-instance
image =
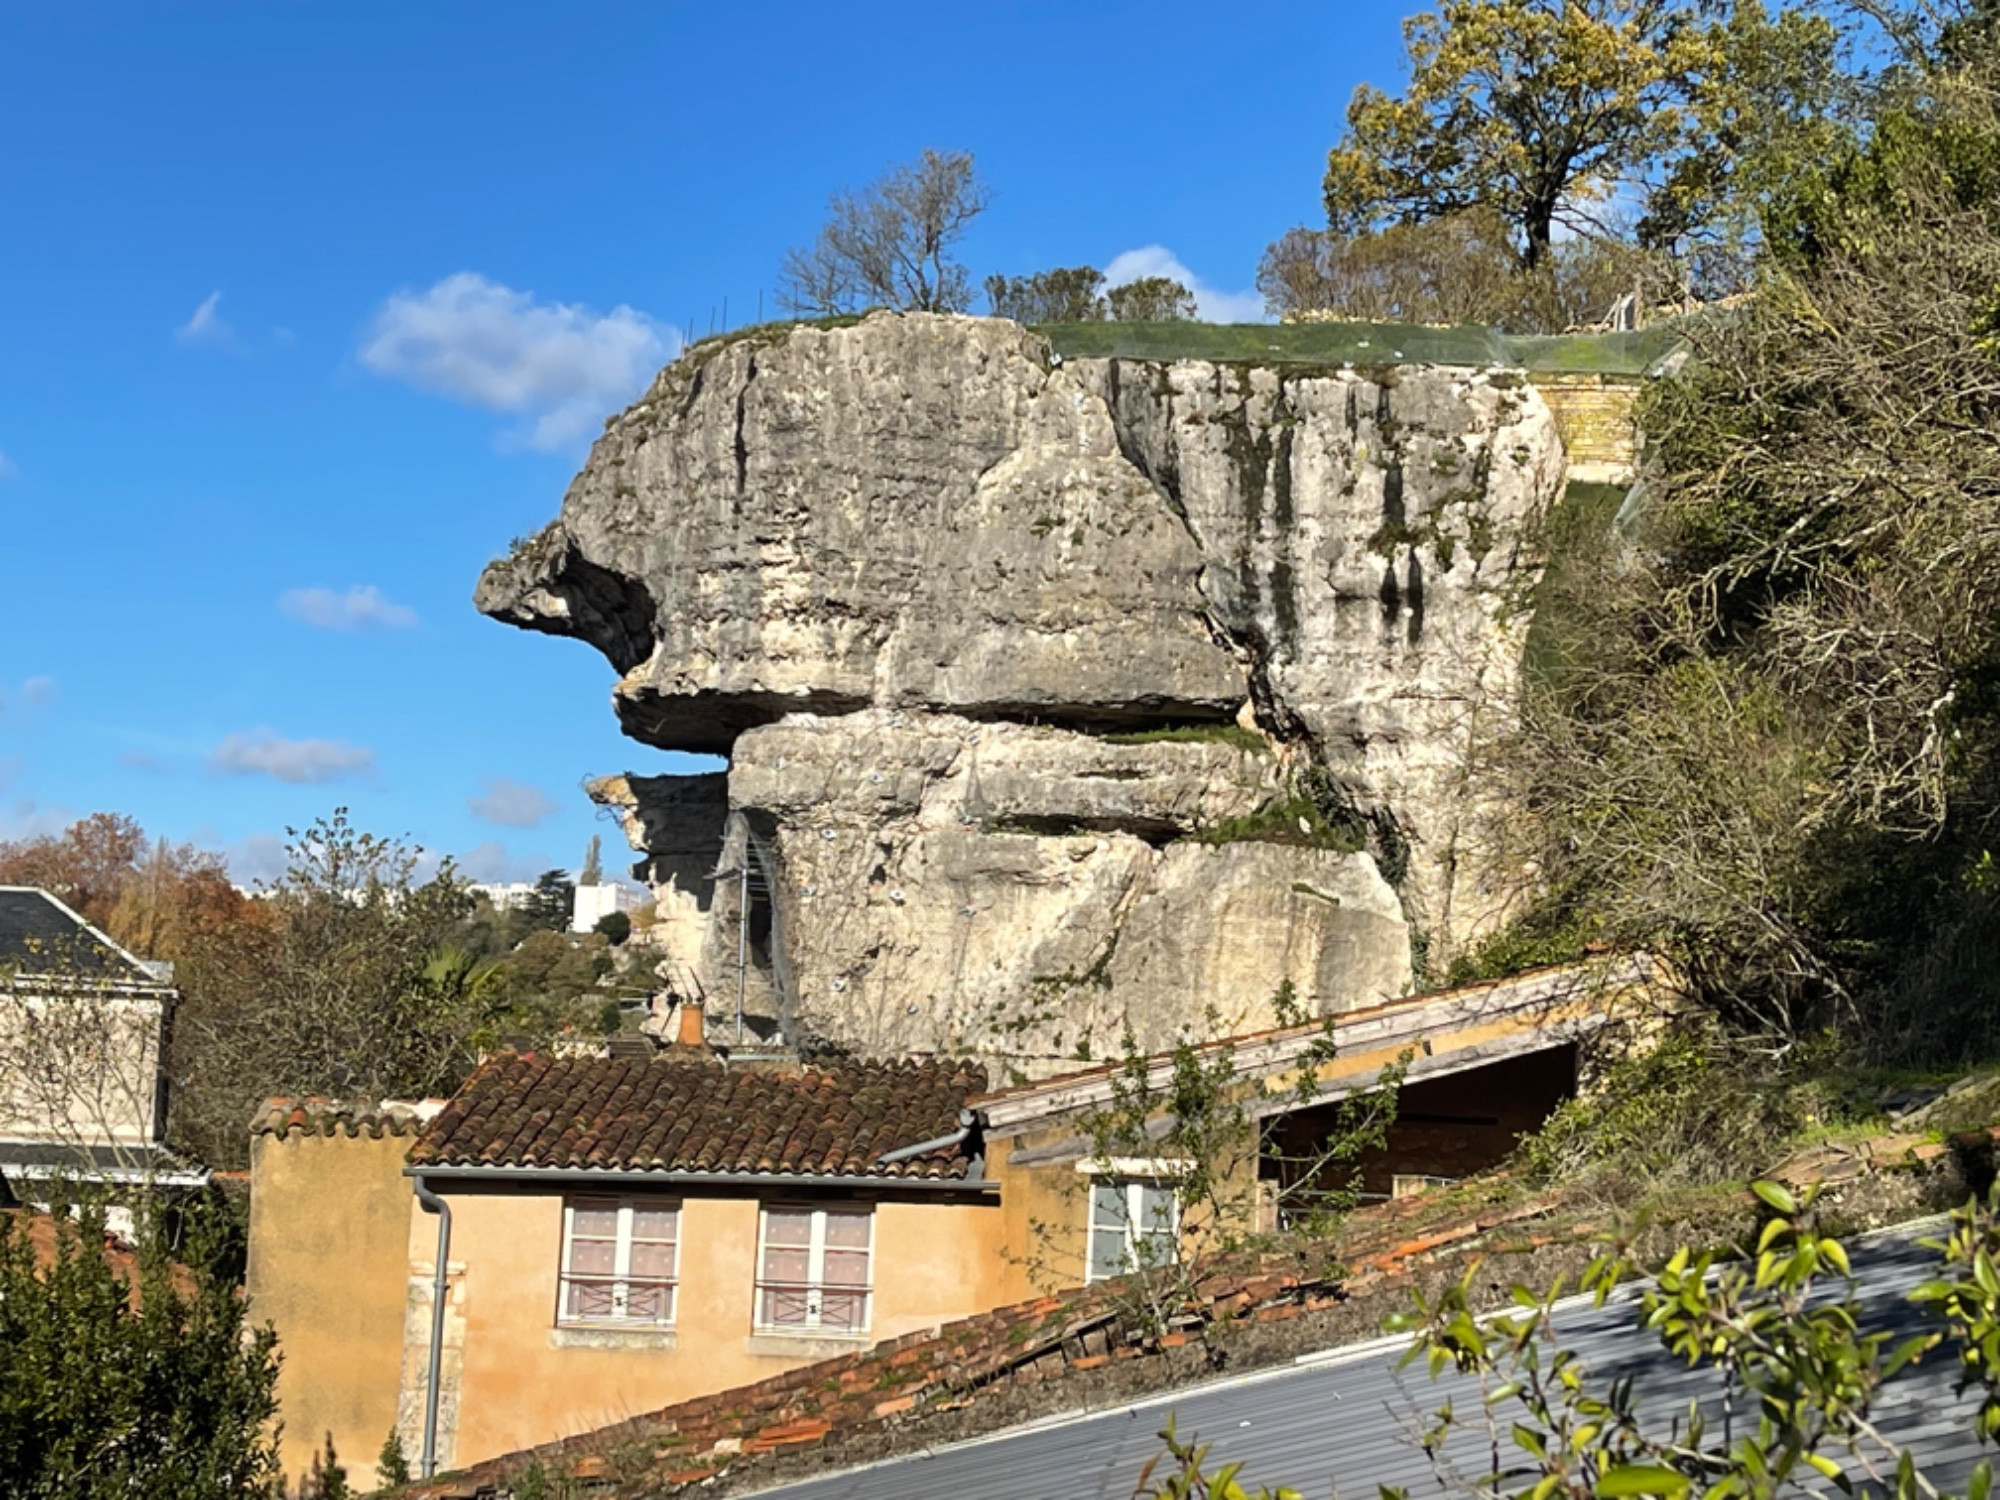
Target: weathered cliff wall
{"type": "Point", "coordinates": [1058, 695]}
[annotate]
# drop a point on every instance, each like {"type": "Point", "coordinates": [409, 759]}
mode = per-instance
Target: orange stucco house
{"type": "Point", "coordinates": [574, 1240]}
{"type": "Point", "coordinates": [614, 1231]}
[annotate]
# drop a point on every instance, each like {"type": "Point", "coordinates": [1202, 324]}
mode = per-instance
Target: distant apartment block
{"type": "Point", "coordinates": [508, 896]}
{"type": "Point", "coordinates": [596, 902]}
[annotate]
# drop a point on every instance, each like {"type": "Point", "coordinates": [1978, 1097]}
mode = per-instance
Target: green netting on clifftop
{"type": "Point", "coordinates": [1366, 344]}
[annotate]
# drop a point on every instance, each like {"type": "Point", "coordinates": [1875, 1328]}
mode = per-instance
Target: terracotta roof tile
{"type": "Point", "coordinates": [679, 1114]}
{"type": "Point", "coordinates": [396, 1117]}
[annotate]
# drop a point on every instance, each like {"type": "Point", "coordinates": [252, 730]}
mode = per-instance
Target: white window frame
{"type": "Point", "coordinates": [815, 1283]}
{"type": "Point", "coordinates": [621, 1274]}
{"type": "Point", "coordinates": [1136, 1185]}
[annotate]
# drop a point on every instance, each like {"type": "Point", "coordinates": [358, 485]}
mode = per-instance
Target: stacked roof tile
{"type": "Point", "coordinates": [391, 1117]}
{"type": "Point", "coordinates": [680, 1114]}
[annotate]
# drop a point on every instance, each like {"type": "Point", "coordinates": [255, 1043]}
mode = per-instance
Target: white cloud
{"type": "Point", "coordinates": [207, 326]}
{"type": "Point", "coordinates": [143, 760]}
{"type": "Point", "coordinates": [264, 753]}
{"type": "Point", "coordinates": [30, 819]}
{"type": "Point", "coordinates": [29, 699]}
{"type": "Point", "coordinates": [8, 469]}
{"type": "Point", "coordinates": [493, 863]}
{"type": "Point", "coordinates": [1214, 305]}
{"type": "Point", "coordinates": [261, 856]}
{"type": "Point", "coordinates": [557, 366]}
{"type": "Point", "coordinates": [362, 607]}
{"type": "Point", "coordinates": [512, 804]}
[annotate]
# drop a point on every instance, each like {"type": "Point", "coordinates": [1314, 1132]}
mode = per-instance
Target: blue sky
{"type": "Point", "coordinates": [306, 309]}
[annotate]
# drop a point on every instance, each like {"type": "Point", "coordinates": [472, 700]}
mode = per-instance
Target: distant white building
{"type": "Point", "coordinates": [511, 896]}
{"type": "Point", "coordinates": [596, 902]}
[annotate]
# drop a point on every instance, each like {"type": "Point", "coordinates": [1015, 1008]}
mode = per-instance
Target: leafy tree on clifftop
{"type": "Point", "coordinates": [1550, 112]}
{"type": "Point", "coordinates": [1762, 724]}
{"type": "Point", "coordinates": [1066, 294]}
{"type": "Point", "coordinates": [891, 243]}
{"type": "Point", "coordinates": [1151, 299]}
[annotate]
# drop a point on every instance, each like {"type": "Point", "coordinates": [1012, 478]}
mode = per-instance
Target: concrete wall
{"type": "Point", "coordinates": [329, 1255]}
{"type": "Point", "coordinates": [512, 1378]}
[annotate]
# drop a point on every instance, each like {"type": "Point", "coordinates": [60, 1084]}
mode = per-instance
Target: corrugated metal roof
{"type": "Point", "coordinates": [1344, 1425]}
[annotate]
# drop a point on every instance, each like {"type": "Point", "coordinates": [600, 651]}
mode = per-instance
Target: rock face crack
{"type": "Point", "coordinates": [743, 448]}
{"type": "Point", "coordinates": [973, 629]}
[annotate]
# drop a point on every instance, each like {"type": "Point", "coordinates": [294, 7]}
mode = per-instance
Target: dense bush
{"type": "Point", "coordinates": [126, 1376]}
{"type": "Point", "coordinates": [1763, 730]}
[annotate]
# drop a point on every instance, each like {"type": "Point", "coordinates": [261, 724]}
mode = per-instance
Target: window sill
{"type": "Point", "coordinates": [610, 1336]}
{"type": "Point", "coordinates": [807, 1345]}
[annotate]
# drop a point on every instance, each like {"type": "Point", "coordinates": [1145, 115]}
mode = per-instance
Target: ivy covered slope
{"type": "Point", "coordinates": [1056, 689]}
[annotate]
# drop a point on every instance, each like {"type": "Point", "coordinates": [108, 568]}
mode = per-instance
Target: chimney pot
{"type": "Point", "coordinates": [691, 1030]}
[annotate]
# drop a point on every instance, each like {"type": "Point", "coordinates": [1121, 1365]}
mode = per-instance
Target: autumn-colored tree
{"type": "Point", "coordinates": [176, 896]}
{"type": "Point", "coordinates": [1551, 112]}
{"type": "Point", "coordinates": [86, 865]}
{"type": "Point", "coordinates": [156, 898]}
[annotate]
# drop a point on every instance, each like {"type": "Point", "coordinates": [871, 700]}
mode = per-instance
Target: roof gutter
{"type": "Point", "coordinates": [122, 1176]}
{"type": "Point", "coordinates": [631, 1177]}
{"type": "Point", "coordinates": [432, 1203]}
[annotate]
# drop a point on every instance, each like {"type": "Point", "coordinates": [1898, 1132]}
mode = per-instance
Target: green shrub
{"type": "Point", "coordinates": [1699, 1107]}
{"type": "Point", "coordinates": [1294, 819]}
{"type": "Point", "coordinates": [140, 1386]}
{"type": "Point", "coordinates": [391, 1466]}
{"type": "Point", "coordinates": [1551, 933]}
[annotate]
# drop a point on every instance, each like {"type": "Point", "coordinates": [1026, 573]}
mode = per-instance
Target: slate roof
{"type": "Point", "coordinates": [39, 935]}
{"type": "Point", "coordinates": [675, 1114]}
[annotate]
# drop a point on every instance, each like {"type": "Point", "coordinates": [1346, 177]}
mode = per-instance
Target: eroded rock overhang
{"type": "Point", "coordinates": [1064, 694]}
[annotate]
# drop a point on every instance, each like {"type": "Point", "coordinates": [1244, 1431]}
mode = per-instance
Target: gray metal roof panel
{"type": "Point", "coordinates": [1346, 1425]}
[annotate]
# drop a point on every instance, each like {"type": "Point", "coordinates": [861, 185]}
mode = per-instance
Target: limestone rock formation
{"type": "Point", "coordinates": [1058, 695]}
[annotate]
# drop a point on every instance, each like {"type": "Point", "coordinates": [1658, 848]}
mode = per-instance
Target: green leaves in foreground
{"type": "Point", "coordinates": [1801, 1373]}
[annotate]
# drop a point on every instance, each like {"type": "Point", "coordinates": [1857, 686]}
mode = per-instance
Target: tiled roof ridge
{"type": "Point", "coordinates": [316, 1115]}
{"type": "Point", "coordinates": [703, 1114]}
{"type": "Point", "coordinates": [1593, 964]}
